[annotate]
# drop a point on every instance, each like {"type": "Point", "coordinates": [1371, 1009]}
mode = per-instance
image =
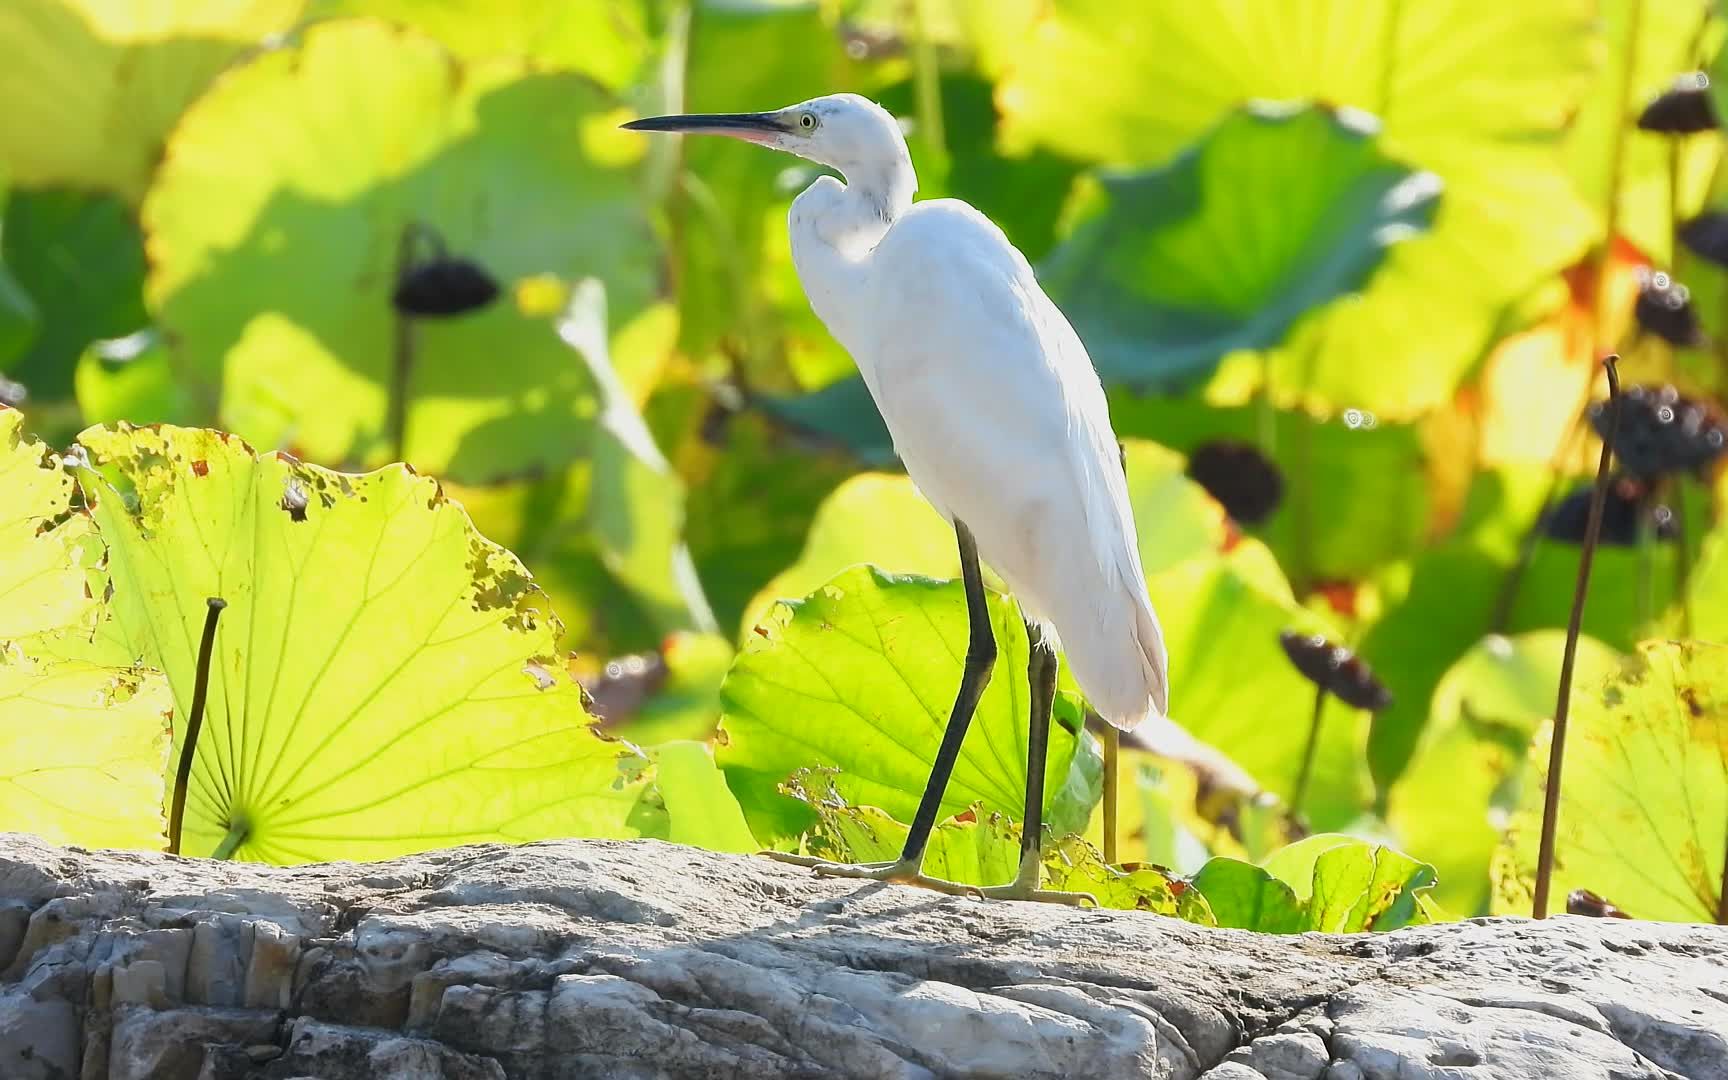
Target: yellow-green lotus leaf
{"type": "Point", "coordinates": [384, 678]}
{"type": "Point", "coordinates": [1644, 806]}
{"type": "Point", "coordinates": [45, 548]}
{"type": "Point", "coordinates": [91, 88]}
{"type": "Point", "coordinates": [83, 751]}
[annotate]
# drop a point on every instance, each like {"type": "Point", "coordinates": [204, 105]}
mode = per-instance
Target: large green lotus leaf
{"type": "Point", "coordinates": [1667, 46]}
{"type": "Point", "coordinates": [1447, 603]}
{"type": "Point", "coordinates": [47, 551]}
{"type": "Point", "coordinates": [1246, 897]}
{"type": "Point", "coordinates": [1349, 504]}
{"type": "Point", "coordinates": [384, 678]}
{"type": "Point", "coordinates": [1644, 806]}
{"type": "Point", "coordinates": [860, 677]}
{"type": "Point", "coordinates": [83, 751]}
{"type": "Point", "coordinates": [1483, 109]}
{"type": "Point", "coordinates": [1348, 885]}
{"type": "Point", "coordinates": [607, 39]}
{"type": "Point", "coordinates": [274, 235]}
{"type": "Point", "coordinates": [91, 88]}
{"type": "Point", "coordinates": [20, 320]}
{"type": "Point", "coordinates": [1467, 771]}
{"type": "Point", "coordinates": [1173, 268]}
{"type": "Point", "coordinates": [81, 260]}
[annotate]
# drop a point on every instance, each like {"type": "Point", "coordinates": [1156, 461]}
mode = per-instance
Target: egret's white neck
{"type": "Point", "coordinates": [836, 227]}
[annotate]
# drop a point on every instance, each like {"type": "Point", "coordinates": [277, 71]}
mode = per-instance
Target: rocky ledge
{"type": "Point", "coordinates": [637, 960]}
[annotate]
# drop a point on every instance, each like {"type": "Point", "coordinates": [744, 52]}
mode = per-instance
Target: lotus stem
{"type": "Point", "coordinates": [1563, 702]}
{"type": "Point", "coordinates": [194, 723]}
{"type": "Point", "coordinates": [1309, 753]}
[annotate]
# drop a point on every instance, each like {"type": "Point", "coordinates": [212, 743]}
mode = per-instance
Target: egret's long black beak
{"type": "Point", "coordinates": [751, 127]}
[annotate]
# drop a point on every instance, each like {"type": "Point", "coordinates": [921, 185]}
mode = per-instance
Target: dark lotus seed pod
{"type": "Point", "coordinates": [1627, 499]}
{"type": "Point", "coordinates": [1585, 902]}
{"type": "Point", "coordinates": [443, 286]}
{"type": "Point", "coordinates": [1336, 669]}
{"type": "Point", "coordinates": [1707, 236]}
{"type": "Point", "coordinates": [1682, 110]}
{"type": "Point", "coordinates": [1664, 308]}
{"type": "Point", "coordinates": [1662, 432]}
{"type": "Point", "coordinates": [1246, 482]}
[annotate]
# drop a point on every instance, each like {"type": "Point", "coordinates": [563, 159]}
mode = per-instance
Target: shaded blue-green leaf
{"type": "Point", "coordinates": [1172, 268]}
{"type": "Point", "coordinates": [1246, 897]}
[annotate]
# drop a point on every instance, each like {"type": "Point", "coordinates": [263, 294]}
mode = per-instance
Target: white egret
{"type": "Point", "coordinates": [999, 418]}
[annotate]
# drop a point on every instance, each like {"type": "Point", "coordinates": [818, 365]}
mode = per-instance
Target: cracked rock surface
{"type": "Point", "coordinates": [644, 960]}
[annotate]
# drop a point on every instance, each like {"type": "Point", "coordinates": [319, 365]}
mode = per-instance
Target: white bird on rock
{"type": "Point", "coordinates": [999, 418]}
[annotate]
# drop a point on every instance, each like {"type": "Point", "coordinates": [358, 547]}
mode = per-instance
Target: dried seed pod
{"type": "Point", "coordinates": [1664, 308]}
{"type": "Point", "coordinates": [1628, 500]}
{"type": "Point", "coordinates": [1335, 669]}
{"type": "Point", "coordinates": [443, 286]}
{"type": "Point", "coordinates": [1585, 902]}
{"type": "Point", "coordinates": [1683, 109]}
{"type": "Point", "coordinates": [1707, 236]}
{"type": "Point", "coordinates": [1662, 432]}
{"type": "Point", "coordinates": [1245, 481]}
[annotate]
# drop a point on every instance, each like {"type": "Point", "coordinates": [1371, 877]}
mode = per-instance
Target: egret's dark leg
{"type": "Point", "coordinates": [1041, 680]}
{"type": "Point", "coordinates": [974, 676]}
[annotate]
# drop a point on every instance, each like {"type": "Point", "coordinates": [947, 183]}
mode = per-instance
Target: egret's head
{"type": "Point", "coordinates": [843, 131]}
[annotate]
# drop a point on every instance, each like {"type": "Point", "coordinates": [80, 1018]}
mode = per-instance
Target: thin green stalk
{"type": "Point", "coordinates": [1563, 703]}
{"type": "Point", "coordinates": [1682, 555]}
{"type": "Point", "coordinates": [1309, 752]}
{"type": "Point", "coordinates": [194, 723]}
{"type": "Point", "coordinates": [402, 353]}
{"type": "Point", "coordinates": [927, 79]}
{"type": "Point", "coordinates": [1112, 740]}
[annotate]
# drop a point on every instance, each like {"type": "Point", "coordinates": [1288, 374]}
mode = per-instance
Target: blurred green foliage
{"type": "Point", "coordinates": [1381, 243]}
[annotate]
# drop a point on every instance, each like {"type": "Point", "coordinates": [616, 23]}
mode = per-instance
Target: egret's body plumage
{"type": "Point", "coordinates": [999, 419]}
{"type": "Point", "coordinates": [996, 412]}
{"type": "Point", "coordinates": [993, 405]}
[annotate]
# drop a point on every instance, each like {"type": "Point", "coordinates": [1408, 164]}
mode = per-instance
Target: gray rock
{"type": "Point", "coordinates": [645, 960]}
{"type": "Point", "coordinates": [171, 1045]}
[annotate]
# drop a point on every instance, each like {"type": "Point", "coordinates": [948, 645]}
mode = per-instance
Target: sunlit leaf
{"type": "Point", "coordinates": [1482, 109]}
{"type": "Point", "coordinates": [1348, 885]}
{"type": "Point", "coordinates": [1176, 267]}
{"type": "Point", "coordinates": [983, 848]}
{"type": "Point", "coordinates": [81, 260]}
{"type": "Point", "coordinates": [384, 679]}
{"type": "Point", "coordinates": [1467, 773]}
{"type": "Point", "coordinates": [607, 39]}
{"type": "Point", "coordinates": [91, 88]}
{"type": "Point", "coordinates": [1246, 897]}
{"type": "Point", "coordinates": [83, 751]}
{"type": "Point", "coordinates": [701, 810]}
{"type": "Point", "coordinates": [133, 379]}
{"type": "Point", "coordinates": [860, 676]}
{"type": "Point", "coordinates": [274, 238]}
{"type": "Point", "coordinates": [1644, 807]}
{"type": "Point", "coordinates": [636, 503]}
{"type": "Point", "coordinates": [46, 549]}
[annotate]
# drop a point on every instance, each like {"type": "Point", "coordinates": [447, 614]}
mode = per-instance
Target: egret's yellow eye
{"type": "Point", "coordinates": [807, 121]}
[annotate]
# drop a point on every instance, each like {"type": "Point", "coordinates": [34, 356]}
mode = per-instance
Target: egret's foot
{"type": "Point", "coordinates": [899, 872]}
{"type": "Point", "coordinates": [1025, 887]}
{"type": "Point", "coordinates": [1015, 891]}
